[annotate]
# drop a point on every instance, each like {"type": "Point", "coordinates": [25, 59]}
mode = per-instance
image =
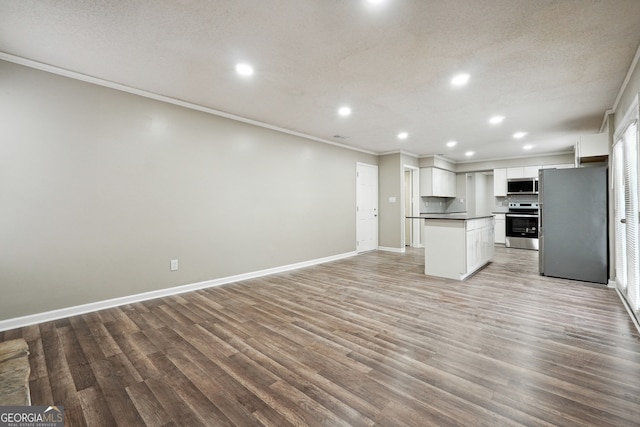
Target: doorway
{"type": "Point", "coordinates": [412, 228]}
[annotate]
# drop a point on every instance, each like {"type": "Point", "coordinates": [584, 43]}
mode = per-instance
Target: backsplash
{"type": "Point", "coordinates": [457, 204]}
{"type": "Point", "coordinates": [442, 205]}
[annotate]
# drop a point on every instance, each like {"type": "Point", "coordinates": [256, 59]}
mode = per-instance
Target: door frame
{"type": "Point", "coordinates": [631, 115]}
{"type": "Point", "coordinates": [416, 232]}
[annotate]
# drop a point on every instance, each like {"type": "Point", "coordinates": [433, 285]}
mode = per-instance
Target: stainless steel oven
{"type": "Point", "coordinates": [521, 226]}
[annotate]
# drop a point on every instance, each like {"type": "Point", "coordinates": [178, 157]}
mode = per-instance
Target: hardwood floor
{"type": "Point", "coordinates": [363, 341]}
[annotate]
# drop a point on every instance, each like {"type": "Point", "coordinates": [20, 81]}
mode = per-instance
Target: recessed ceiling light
{"type": "Point", "coordinates": [460, 79]}
{"type": "Point", "coordinates": [496, 120]}
{"type": "Point", "coordinates": [451, 143]}
{"type": "Point", "coordinates": [519, 135]}
{"type": "Point", "coordinates": [403, 135]}
{"type": "Point", "coordinates": [527, 147]}
{"type": "Point", "coordinates": [344, 111]}
{"type": "Point", "coordinates": [244, 69]}
{"type": "Point", "coordinates": [469, 153]}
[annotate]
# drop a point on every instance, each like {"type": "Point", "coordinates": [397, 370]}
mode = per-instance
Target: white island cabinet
{"type": "Point", "coordinates": [456, 246]}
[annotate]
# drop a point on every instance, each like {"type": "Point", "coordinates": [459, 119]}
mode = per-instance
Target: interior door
{"type": "Point", "coordinates": [366, 207]}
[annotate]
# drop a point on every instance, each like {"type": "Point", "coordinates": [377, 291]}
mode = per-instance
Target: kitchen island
{"type": "Point", "coordinates": [457, 245]}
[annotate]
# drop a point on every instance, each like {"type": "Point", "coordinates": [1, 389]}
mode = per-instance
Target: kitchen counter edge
{"type": "Point", "coordinates": [452, 216]}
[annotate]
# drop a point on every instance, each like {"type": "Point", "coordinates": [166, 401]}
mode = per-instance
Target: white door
{"type": "Point", "coordinates": [366, 207]}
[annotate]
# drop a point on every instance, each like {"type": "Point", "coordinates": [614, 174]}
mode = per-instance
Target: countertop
{"type": "Point", "coordinates": [463, 216]}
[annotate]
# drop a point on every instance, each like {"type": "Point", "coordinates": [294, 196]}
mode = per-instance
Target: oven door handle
{"type": "Point", "coordinates": [523, 215]}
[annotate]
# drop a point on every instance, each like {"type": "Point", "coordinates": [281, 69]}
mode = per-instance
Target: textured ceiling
{"type": "Point", "coordinates": [551, 67]}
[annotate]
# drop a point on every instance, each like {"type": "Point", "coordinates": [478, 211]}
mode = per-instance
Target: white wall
{"type": "Point", "coordinates": [100, 189]}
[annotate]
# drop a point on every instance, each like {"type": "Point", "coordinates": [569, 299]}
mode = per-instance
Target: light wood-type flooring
{"type": "Point", "coordinates": [365, 341]}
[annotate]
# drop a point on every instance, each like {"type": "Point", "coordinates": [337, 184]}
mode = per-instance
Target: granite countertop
{"type": "Point", "coordinates": [464, 216]}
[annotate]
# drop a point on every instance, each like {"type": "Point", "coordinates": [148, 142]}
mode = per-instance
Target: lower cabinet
{"type": "Point", "coordinates": [480, 242]}
{"type": "Point", "coordinates": [501, 229]}
{"type": "Point", "coordinates": [455, 249]}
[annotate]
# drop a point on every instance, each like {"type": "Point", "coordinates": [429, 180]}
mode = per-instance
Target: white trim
{"type": "Point", "coordinates": [607, 114]}
{"type": "Point", "coordinates": [612, 284]}
{"type": "Point", "coordinates": [554, 153]}
{"type": "Point", "coordinates": [415, 185]}
{"type": "Point", "coordinates": [163, 98]}
{"type": "Point", "coordinates": [629, 117]}
{"type": "Point", "coordinates": [627, 78]}
{"type": "Point", "coordinates": [626, 305]}
{"type": "Point", "coordinates": [407, 153]}
{"type": "Point", "coordinates": [623, 87]}
{"type": "Point", "coordinates": [48, 316]}
{"type": "Point", "coordinates": [389, 249]}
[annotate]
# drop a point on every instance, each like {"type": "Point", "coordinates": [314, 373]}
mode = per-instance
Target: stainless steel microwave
{"type": "Point", "coordinates": [522, 186]}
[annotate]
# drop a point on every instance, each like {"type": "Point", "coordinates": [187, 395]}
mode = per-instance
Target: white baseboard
{"type": "Point", "coordinates": [388, 249]}
{"type": "Point", "coordinates": [32, 319]}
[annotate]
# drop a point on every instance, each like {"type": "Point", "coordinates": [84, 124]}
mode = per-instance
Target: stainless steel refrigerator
{"type": "Point", "coordinates": [573, 232]}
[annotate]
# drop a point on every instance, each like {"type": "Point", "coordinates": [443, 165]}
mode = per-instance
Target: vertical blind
{"type": "Point", "coordinates": [627, 191]}
{"type": "Point", "coordinates": [631, 194]}
{"type": "Point", "coordinates": [619, 215]}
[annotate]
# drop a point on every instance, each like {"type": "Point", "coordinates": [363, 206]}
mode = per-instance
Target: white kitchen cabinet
{"type": "Point", "coordinates": [480, 242]}
{"type": "Point", "coordinates": [456, 248]}
{"type": "Point", "coordinates": [500, 182]}
{"type": "Point", "coordinates": [592, 147]}
{"type": "Point", "coordinates": [501, 230]}
{"type": "Point", "coordinates": [513, 173]}
{"type": "Point", "coordinates": [436, 182]}
{"type": "Point", "coordinates": [560, 166]}
{"type": "Point", "coordinates": [523, 172]}
{"type": "Point", "coordinates": [531, 171]}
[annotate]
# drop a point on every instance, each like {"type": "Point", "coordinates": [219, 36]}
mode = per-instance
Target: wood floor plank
{"type": "Point", "coordinates": [364, 341]}
{"type": "Point", "coordinates": [95, 409]}
{"type": "Point", "coordinates": [149, 408]}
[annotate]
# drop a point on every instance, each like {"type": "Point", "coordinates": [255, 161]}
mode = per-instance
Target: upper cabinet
{"type": "Point", "coordinates": [500, 182]}
{"type": "Point", "coordinates": [436, 182]}
{"type": "Point", "coordinates": [523, 172]}
{"type": "Point", "coordinates": [592, 148]}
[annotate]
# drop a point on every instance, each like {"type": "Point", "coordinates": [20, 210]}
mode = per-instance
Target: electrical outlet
{"type": "Point", "coordinates": [426, 204]}
{"type": "Point", "coordinates": [174, 265]}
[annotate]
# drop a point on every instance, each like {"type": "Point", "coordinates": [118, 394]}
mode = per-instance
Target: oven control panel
{"type": "Point", "coordinates": [515, 206]}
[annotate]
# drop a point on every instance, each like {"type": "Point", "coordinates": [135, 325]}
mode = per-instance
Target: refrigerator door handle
{"type": "Point", "coordinates": [623, 220]}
